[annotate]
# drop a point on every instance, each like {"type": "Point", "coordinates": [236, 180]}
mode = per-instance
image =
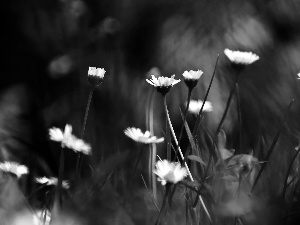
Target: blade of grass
{"type": "Point", "coordinates": [288, 172]}
{"type": "Point", "coordinates": [273, 144]}
{"type": "Point", "coordinates": [182, 157]}
{"type": "Point", "coordinates": [153, 200]}
{"type": "Point", "coordinates": [205, 98]}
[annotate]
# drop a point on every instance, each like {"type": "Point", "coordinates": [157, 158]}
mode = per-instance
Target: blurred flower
{"type": "Point", "coordinates": [95, 75]}
{"type": "Point", "coordinates": [153, 71]}
{"type": "Point", "coordinates": [163, 84]}
{"type": "Point", "coordinates": [298, 76]}
{"type": "Point", "coordinates": [68, 140]}
{"type": "Point", "coordinates": [191, 78]}
{"type": "Point", "coordinates": [137, 135]}
{"type": "Point", "coordinates": [195, 106]}
{"type": "Point", "coordinates": [14, 168]}
{"type": "Point", "coordinates": [42, 217]}
{"type": "Point", "coordinates": [241, 58]}
{"type": "Point", "coordinates": [243, 164]}
{"type": "Point", "coordinates": [60, 66]}
{"type": "Point", "coordinates": [169, 172]}
{"type": "Point", "coordinates": [52, 181]}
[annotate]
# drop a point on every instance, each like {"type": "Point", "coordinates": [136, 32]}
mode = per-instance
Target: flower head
{"type": "Point", "coordinates": [241, 59]}
{"type": "Point", "coordinates": [298, 76]}
{"type": "Point", "coordinates": [243, 163]}
{"type": "Point", "coordinates": [52, 181]}
{"type": "Point", "coordinates": [163, 84]}
{"type": "Point", "coordinates": [14, 168]}
{"type": "Point", "coordinates": [137, 135]}
{"type": "Point", "coordinates": [169, 172]}
{"type": "Point", "coordinates": [95, 75]}
{"type": "Point", "coordinates": [191, 78]}
{"type": "Point", "coordinates": [68, 140]}
{"type": "Point", "coordinates": [195, 106]}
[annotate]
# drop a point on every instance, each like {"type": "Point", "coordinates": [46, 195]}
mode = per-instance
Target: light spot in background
{"type": "Point", "coordinates": [60, 66]}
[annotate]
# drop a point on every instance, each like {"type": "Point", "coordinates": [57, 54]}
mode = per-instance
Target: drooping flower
{"type": "Point", "coordinates": [42, 217]}
{"type": "Point", "coordinates": [14, 168]}
{"type": "Point", "coordinates": [137, 135]}
{"type": "Point", "coordinates": [95, 75]}
{"type": "Point", "coordinates": [163, 84]}
{"type": "Point", "coordinates": [239, 58]}
{"type": "Point", "coordinates": [52, 181]}
{"type": "Point", "coordinates": [68, 140]}
{"type": "Point", "coordinates": [191, 78]}
{"type": "Point", "coordinates": [171, 172]}
{"type": "Point", "coordinates": [195, 106]}
{"type": "Point", "coordinates": [243, 164]}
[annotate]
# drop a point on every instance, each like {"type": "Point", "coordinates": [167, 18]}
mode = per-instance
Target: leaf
{"type": "Point", "coordinates": [197, 159]}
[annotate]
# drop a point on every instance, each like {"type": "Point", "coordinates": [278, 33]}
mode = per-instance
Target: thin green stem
{"type": "Point", "coordinates": [205, 98]}
{"type": "Point", "coordinates": [167, 132]}
{"type": "Point", "coordinates": [185, 164]}
{"type": "Point", "coordinates": [58, 193]}
{"type": "Point", "coordinates": [80, 155]}
{"type": "Point", "coordinates": [239, 118]}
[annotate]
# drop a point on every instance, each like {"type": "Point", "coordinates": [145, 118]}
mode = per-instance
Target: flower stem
{"type": "Point", "coordinates": [239, 118]}
{"type": "Point", "coordinates": [205, 98]}
{"type": "Point", "coordinates": [185, 164]}
{"type": "Point", "coordinates": [228, 105]}
{"type": "Point", "coordinates": [58, 193]}
{"type": "Point", "coordinates": [80, 155]}
{"type": "Point", "coordinates": [184, 118]}
{"type": "Point", "coordinates": [167, 132]}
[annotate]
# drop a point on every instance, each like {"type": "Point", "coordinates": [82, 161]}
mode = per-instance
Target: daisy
{"type": "Point", "coordinates": [14, 168]}
{"type": "Point", "coordinates": [241, 58]}
{"type": "Point", "coordinates": [169, 172]}
{"type": "Point", "coordinates": [298, 76]}
{"type": "Point", "coordinates": [95, 75]}
{"type": "Point", "coordinates": [191, 78]}
{"type": "Point", "coordinates": [137, 135]}
{"type": "Point", "coordinates": [195, 106]}
{"type": "Point", "coordinates": [163, 84]}
{"type": "Point", "coordinates": [68, 140]}
{"type": "Point", "coordinates": [52, 181]}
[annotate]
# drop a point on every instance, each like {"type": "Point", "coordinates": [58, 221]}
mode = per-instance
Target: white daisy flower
{"type": "Point", "coordinates": [241, 58]}
{"type": "Point", "coordinates": [195, 106]}
{"type": "Point", "coordinates": [67, 139]}
{"type": "Point", "coordinates": [14, 168]}
{"type": "Point", "coordinates": [137, 135]}
{"type": "Point", "coordinates": [163, 84]}
{"type": "Point", "coordinates": [42, 217]}
{"type": "Point", "coordinates": [95, 75]}
{"type": "Point", "coordinates": [298, 76]}
{"type": "Point", "coordinates": [98, 72]}
{"type": "Point", "coordinates": [192, 75]}
{"type": "Point", "coordinates": [162, 81]}
{"type": "Point", "coordinates": [58, 135]}
{"type": "Point", "coordinates": [171, 172]}
{"type": "Point", "coordinates": [52, 181]}
{"type": "Point", "coordinates": [191, 78]}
